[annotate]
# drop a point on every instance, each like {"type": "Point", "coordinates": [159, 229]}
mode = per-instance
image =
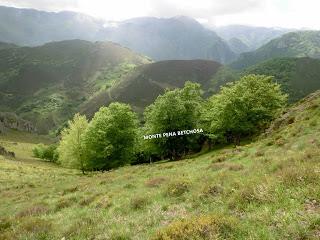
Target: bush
{"type": "Point", "coordinates": [176, 189]}
{"type": "Point", "coordinates": [48, 153]}
{"type": "Point", "coordinates": [138, 202]}
{"type": "Point", "coordinates": [202, 227]}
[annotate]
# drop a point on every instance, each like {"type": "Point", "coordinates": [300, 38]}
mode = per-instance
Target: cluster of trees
{"type": "Point", "coordinates": [48, 153]}
{"type": "Point", "coordinates": [114, 136]}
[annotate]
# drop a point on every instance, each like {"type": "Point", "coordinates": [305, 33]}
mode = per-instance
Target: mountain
{"type": "Point", "coordinates": [297, 76]}
{"type": "Point", "coordinates": [143, 85]}
{"type": "Point", "coordinates": [159, 38]}
{"type": "Point", "coordinates": [4, 45]}
{"type": "Point", "coordinates": [29, 27]}
{"type": "Point", "coordinates": [295, 44]}
{"type": "Point", "coordinates": [253, 37]}
{"type": "Point", "coordinates": [237, 46]}
{"type": "Point", "coordinates": [46, 84]}
{"type": "Point", "coordinates": [170, 39]}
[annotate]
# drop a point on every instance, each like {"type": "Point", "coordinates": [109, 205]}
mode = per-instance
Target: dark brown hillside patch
{"type": "Point", "coordinates": [36, 225]}
{"type": "Point", "coordinates": [155, 182]}
{"type": "Point", "coordinates": [226, 165]}
{"type": "Point", "coordinates": [34, 210]}
{"type": "Point", "coordinates": [70, 190]}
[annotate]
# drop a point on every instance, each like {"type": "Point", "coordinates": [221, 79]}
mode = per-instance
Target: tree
{"type": "Point", "coordinates": [111, 137]}
{"type": "Point", "coordinates": [174, 111]}
{"type": "Point", "coordinates": [243, 108]}
{"type": "Point", "coordinates": [71, 148]}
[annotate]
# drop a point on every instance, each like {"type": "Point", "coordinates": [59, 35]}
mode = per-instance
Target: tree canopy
{"type": "Point", "coordinates": [111, 137]}
{"type": "Point", "coordinates": [71, 148]}
{"type": "Point", "coordinates": [243, 108]}
{"type": "Point", "coordinates": [173, 111]}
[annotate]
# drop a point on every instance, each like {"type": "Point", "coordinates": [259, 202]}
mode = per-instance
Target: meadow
{"type": "Point", "coordinates": [267, 188]}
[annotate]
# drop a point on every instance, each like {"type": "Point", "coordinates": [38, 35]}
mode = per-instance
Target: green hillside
{"type": "Point", "coordinates": [265, 189]}
{"type": "Point", "coordinates": [298, 76]}
{"type": "Point", "coordinates": [46, 84]}
{"type": "Point", "coordinates": [143, 85]}
{"type": "Point", "coordinates": [4, 45]}
{"type": "Point", "coordinates": [295, 44]}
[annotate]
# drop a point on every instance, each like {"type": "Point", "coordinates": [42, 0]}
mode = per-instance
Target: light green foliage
{"type": "Point", "coordinates": [243, 108]}
{"type": "Point", "coordinates": [71, 148]}
{"type": "Point", "coordinates": [174, 111]}
{"type": "Point", "coordinates": [49, 153]}
{"type": "Point", "coordinates": [274, 195]}
{"type": "Point", "coordinates": [111, 137]}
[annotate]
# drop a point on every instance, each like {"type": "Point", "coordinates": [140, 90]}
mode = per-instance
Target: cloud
{"type": "Point", "coordinates": [281, 13]}
{"type": "Point", "coordinates": [47, 5]}
{"type": "Point", "coordinates": [203, 8]}
{"type": "Point", "coordinates": [160, 8]}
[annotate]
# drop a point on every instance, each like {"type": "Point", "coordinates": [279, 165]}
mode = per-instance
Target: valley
{"type": "Point", "coordinates": [161, 126]}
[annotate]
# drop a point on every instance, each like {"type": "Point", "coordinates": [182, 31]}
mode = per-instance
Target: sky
{"type": "Point", "coordinates": [268, 13]}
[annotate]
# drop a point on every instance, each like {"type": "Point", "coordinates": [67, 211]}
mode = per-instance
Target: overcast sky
{"type": "Point", "coordinates": [280, 13]}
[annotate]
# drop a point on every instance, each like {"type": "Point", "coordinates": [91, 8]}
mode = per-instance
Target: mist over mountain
{"type": "Point", "coordinates": [238, 46]}
{"type": "Point", "coordinates": [171, 38]}
{"type": "Point", "coordinates": [253, 37]}
{"type": "Point", "coordinates": [159, 38]}
{"type": "Point", "coordinates": [295, 44]}
{"type": "Point", "coordinates": [32, 27]}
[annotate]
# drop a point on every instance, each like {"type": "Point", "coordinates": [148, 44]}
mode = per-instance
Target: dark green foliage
{"type": "Point", "coordinates": [111, 137]}
{"type": "Point", "coordinates": [47, 84]}
{"type": "Point", "coordinates": [154, 77]}
{"type": "Point", "coordinates": [174, 111]}
{"type": "Point", "coordinates": [298, 77]}
{"type": "Point", "coordinates": [295, 44]}
{"type": "Point", "coordinates": [243, 108]}
{"type": "Point", "coordinates": [44, 152]}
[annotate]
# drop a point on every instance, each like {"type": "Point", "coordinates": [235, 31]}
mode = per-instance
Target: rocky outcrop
{"type": "Point", "coordinates": [12, 121]}
{"type": "Point", "coordinates": [6, 153]}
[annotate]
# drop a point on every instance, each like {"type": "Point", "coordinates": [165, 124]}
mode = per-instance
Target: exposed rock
{"type": "Point", "coordinates": [6, 153]}
{"type": "Point", "coordinates": [12, 121]}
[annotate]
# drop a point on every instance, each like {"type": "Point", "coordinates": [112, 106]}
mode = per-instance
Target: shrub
{"type": "Point", "coordinates": [48, 153]}
{"type": "Point", "coordinates": [138, 202]}
{"type": "Point", "coordinates": [202, 227]}
{"type": "Point", "coordinates": [178, 188]}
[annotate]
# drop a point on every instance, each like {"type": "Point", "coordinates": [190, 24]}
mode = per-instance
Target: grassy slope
{"type": "Point", "coordinates": [142, 86]}
{"type": "Point", "coordinates": [46, 84]}
{"type": "Point", "coordinates": [268, 189]}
